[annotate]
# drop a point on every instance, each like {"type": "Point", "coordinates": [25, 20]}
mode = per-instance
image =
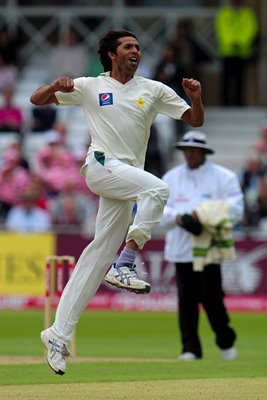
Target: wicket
{"type": "Point", "coordinates": [57, 273]}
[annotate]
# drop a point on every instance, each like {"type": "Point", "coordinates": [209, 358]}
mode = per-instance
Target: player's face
{"type": "Point", "coordinates": [127, 56]}
{"type": "Point", "coordinates": [194, 156]}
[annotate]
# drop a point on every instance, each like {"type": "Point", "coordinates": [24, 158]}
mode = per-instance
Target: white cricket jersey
{"type": "Point", "coordinates": [120, 115]}
{"type": "Point", "coordinates": [188, 188]}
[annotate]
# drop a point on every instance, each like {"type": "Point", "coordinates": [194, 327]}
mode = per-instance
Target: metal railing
{"type": "Point", "coordinates": [38, 25]}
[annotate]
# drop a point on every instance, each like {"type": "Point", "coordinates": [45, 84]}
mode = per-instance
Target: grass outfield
{"type": "Point", "coordinates": [124, 355]}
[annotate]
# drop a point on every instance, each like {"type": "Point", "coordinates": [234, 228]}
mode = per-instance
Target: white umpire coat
{"type": "Point", "coordinates": [188, 188]}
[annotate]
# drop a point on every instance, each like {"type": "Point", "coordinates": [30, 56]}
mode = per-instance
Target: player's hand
{"type": "Point", "coordinates": [63, 84]}
{"type": "Point", "coordinates": [192, 88]}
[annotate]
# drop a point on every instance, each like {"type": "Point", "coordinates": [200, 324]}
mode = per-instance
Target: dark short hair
{"type": "Point", "coordinates": [108, 43]}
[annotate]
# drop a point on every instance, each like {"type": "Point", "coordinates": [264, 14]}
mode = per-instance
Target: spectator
{"type": "Point", "coordinates": [54, 164]}
{"type": "Point", "coordinates": [168, 130]}
{"type": "Point", "coordinates": [8, 75]}
{"type": "Point", "coordinates": [253, 180]}
{"type": "Point", "coordinates": [236, 28]}
{"type": "Point", "coordinates": [8, 48]}
{"type": "Point", "coordinates": [11, 116]}
{"type": "Point", "coordinates": [262, 223]}
{"type": "Point", "coordinates": [183, 55]}
{"type": "Point", "coordinates": [27, 216]}
{"type": "Point", "coordinates": [8, 59]}
{"type": "Point", "coordinates": [253, 183]}
{"type": "Point", "coordinates": [70, 210]}
{"type": "Point", "coordinates": [70, 57]}
{"type": "Point", "coordinates": [16, 146]}
{"type": "Point", "coordinates": [205, 199]}
{"type": "Point", "coordinates": [43, 118]}
{"type": "Point", "coordinates": [61, 128]}
{"type": "Point", "coordinates": [190, 53]}
{"type": "Point", "coordinates": [38, 187]}
{"type": "Point", "coordinates": [154, 162]}
{"type": "Point", "coordinates": [167, 70]}
{"type": "Point", "coordinates": [14, 180]}
{"type": "Point", "coordinates": [260, 144]}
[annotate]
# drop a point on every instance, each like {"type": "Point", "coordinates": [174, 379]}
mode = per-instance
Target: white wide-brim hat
{"type": "Point", "coordinates": [194, 139]}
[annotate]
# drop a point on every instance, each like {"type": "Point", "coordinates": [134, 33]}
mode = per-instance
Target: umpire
{"type": "Point", "coordinates": [195, 182]}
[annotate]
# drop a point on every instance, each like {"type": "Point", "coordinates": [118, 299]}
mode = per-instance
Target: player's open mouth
{"type": "Point", "coordinates": [133, 59]}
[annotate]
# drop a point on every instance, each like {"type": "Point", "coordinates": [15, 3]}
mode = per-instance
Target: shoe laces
{"type": "Point", "coordinates": [131, 271]}
{"type": "Point", "coordinates": [126, 271]}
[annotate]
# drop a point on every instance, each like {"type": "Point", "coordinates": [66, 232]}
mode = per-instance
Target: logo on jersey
{"type": "Point", "coordinates": [105, 99]}
{"type": "Point", "coordinates": [140, 102]}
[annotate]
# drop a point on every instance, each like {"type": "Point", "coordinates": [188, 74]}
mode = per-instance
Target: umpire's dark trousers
{"type": "Point", "coordinates": [204, 288]}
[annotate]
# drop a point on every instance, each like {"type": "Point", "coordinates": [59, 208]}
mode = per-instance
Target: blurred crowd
{"type": "Point", "coordinates": [253, 179]}
{"type": "Point", "coordinates": [44, 191]}
{"type": "Point", "coordinates": [48, 193]}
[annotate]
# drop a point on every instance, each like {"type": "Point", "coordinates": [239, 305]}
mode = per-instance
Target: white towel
{"type": "Point", "coordinates": [215, 243]}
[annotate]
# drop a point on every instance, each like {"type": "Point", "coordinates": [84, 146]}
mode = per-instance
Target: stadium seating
{"type": "Point", "coordinates": [231, 131]}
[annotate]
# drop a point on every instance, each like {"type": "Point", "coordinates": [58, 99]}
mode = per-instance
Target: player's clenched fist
{"type": "Point", "coordinates": [192, 88]}
{"type": "Point", "coordinates": [191, 84]}
{"type": "Point", "coordinates": [63, 84]}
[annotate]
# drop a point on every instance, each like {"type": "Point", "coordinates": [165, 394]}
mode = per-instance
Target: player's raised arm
{"type": "Point", "coordinates": [46, 94]}
{"type": "Point", "coordinates": [194, 116]}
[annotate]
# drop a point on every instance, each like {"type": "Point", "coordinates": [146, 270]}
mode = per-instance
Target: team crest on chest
{"type": "Point", "coordinates": [105, 99]}
{"type": "Point", "coordinates": [140, 102]}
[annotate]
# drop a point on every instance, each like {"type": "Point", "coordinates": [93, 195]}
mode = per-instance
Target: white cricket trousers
{"type": "Point", "coordinates": [119, 186]}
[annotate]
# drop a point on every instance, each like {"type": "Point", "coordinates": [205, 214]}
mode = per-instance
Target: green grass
{"type": "Point", "coordinates": [131, 335]}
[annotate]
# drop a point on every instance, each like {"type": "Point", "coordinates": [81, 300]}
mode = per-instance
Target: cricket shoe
{"type": "Point", "coordinates": [57, 351]}
{"type": "Point", "coordinates": [229, 354]}
{"type": "Point", "coordinates": [187, 356]}
{"type": "Point", "coordinates": [125, 277]}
